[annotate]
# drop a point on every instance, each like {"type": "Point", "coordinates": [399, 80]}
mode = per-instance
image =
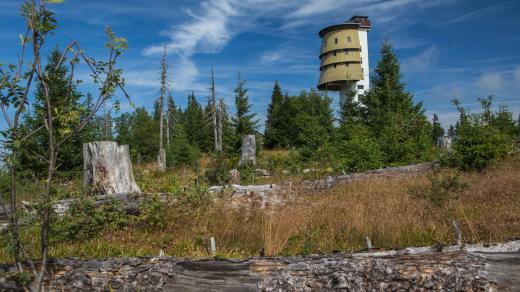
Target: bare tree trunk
{"type": "Point", "coordinates": [168, 124]}
{"type": "Point", "coordinates": [161, 158]}
{"type": "Point", "coordinates": [48, 185]}
{"type": "Point", "coordinates": [214, 111]}
{"type": "Point", "coordinates": [220, 120]}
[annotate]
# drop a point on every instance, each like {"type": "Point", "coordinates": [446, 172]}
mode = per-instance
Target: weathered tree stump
{"type": "Point", "coordinates": [248, 150]}
{"type": "Point", "coordinates": [161, 159]}
{"type": "Point", "coordinates": [107, 168]}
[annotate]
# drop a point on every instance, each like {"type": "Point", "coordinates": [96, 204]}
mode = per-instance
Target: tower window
{"type": "Point", "coordinates": [334, 54]}
{"type": "Point", "coordinates": [334, 65]}
{"type": "Point", "coordinates": [336, 41]}
{"type": "Point", "coordinates": [349, 39]}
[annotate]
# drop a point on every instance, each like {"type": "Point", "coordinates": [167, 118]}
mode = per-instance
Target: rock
{"type": "Point", "coordinates": [107, 168]}
{"type": "Point", "coordinates": [248, 154]}
{"type": "Point", "coordinates": [262, 172]}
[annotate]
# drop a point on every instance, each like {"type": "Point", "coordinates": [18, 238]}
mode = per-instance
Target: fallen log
{"type": "Point", "coordinates": [474, 267]}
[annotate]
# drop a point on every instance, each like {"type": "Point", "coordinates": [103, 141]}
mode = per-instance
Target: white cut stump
{"type": "Point", "coordinates": [107, 168]}
{"type": "Point", "coordinates": [248, 153]}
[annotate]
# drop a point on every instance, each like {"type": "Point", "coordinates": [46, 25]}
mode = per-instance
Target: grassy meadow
{"type": "Point", "coordinates": [395, 212]}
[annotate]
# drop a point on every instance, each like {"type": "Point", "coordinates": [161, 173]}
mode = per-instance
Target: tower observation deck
{"type": "Point", "coordinates": [344, 56]}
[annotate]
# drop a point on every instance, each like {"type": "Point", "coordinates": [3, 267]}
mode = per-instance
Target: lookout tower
{"type": "Point", "coordinates": [344, 56]}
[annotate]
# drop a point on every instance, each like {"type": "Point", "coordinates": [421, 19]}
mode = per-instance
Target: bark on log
{"type": "Point", "coordinates": [107, 168]}
{"type": "Point", "coordinates": [402, 270]}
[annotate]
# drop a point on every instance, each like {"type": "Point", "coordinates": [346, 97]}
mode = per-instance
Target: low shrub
{"type": "Point", "coordinates": [442, 187]}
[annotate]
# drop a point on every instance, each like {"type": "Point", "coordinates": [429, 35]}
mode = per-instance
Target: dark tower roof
{"type": "Point", "coordinates": [356, 21]}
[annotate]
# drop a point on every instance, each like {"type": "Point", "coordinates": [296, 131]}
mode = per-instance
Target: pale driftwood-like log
{"type": "Point", "coordinates": [486, 268]}
{"type": "Point", "coordinates": [107, 168]}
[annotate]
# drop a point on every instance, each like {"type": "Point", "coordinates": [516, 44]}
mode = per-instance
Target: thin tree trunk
{"type": "Point", "coordinates": [214, 110]}
{"type": "Point", "coordinates": [220, 119]}
{"type": "Point", "coordinates": [167, 124]}
{"type": "Point", "coordinates": [161, 158]}
{"type": "Point", "coordinates": [13, 213]}
{"type": "Point", "coordinates": [48, 188]}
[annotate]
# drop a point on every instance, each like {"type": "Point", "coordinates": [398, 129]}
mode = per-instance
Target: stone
{"type": "Point", "coordinates": [262, 172]}
{"type": "Point", "coordinates": [248, 154]}
{"type": "Point", "coordinates": [107, 168]}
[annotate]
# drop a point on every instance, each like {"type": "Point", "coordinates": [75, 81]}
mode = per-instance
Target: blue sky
{"type": "Point", "coordinates": [448, 48]}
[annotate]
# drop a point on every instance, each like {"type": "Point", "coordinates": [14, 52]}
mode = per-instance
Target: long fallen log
{"type": "Point", "coordinates": [461, 268]}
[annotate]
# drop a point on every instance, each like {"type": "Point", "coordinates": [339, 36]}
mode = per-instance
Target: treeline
{"type": "Point", "coordinates": [384, 127]}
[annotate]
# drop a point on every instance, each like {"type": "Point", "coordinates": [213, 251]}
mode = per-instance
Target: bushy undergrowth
{"type": "Point", "coordinates": [485, 204]}
{"type": "Point", "coordinates": [442, 187]}
{"type": "Point", "coordinates": [85, 220]}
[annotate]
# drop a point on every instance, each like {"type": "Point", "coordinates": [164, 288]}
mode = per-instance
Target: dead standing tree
{"type": "Point", "coordinates": [161, 159]}
{"type": "Point", "coordinates": [15, 84]}
{"type": "Point", "coordinates": [215, 114]}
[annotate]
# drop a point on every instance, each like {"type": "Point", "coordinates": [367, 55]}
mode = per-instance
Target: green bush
{"type": "Point", "coordinates": [476, 147]}
{"type": "Point", "coordinates": [182, 154]}
{"type": "Point", "coordinates": [153, 212]}
{"type": "Point", "coordinates": [480, 138]}
{"type": "Point", "coordinates": [360, 152]}
{"type": "Point", "coordinates": [247, 174]}
{"type": "Point", "coordinates": [218, 171]}
{"type": "Point", "coordinates": [443, 186]}
{"type": "Point", "coordinates": [84, 220]}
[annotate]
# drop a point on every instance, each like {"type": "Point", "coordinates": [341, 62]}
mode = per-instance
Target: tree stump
{"type": "Point", "coordinates": [107, 168]}
{"type": "Point", "coordinates": [161, 159]}
{"type": "Point", "coordinates": [248, 150]}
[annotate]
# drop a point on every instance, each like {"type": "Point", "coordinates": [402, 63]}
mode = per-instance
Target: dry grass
{"type": "Point", "coordinates": [385, 209]}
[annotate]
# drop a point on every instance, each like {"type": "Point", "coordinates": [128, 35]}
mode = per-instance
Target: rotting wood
{"type": "Point", "coordinates": [474, 267]}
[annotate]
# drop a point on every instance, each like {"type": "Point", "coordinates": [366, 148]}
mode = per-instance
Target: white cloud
{"type": "Point", "coordinates": [491, 81]}
{"type": "Point", "coordinates": [516, 74]}
{"type": "Point", "coordinates": [271, 56]}
{"type": "Point", "coordinates": [421, 62]}
{"type": "Point", "coordinates": [382, 11]}
{"type": "Point", "coordinates": [483, 11]}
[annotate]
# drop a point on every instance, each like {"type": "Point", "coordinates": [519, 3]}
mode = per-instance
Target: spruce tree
{"type": "Point", "coordinates": [274, 131]}
{"type": "Point", "coordinates": [350, 111]}
{"type": "Point", "coordinates": [314, 125]}
{"type": "Point", "coordinates": [402, 129]}
{"type": "Point", "coordinates": [36, 146]}
{"type": "Point", "coordinates": [170, 117]}
{"type": "Point", "coordinates": [194, 122]}
{"type": "Point", "coordinates": [437, 130]}
{"type": "Point", "coordinates": [244, 121]}
{"type": "Point", "coordinates": [356, 148]}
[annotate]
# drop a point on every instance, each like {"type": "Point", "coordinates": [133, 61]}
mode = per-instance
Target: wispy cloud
{"type": "Point", "coordinates": [382, 11]}
{"type": "Point", "coordinates": [271, 56]}
{"type": "Point", "coordinates": [483, 11]}
{"type": "Point", "coordinates": [491, 81]}
{"type": "Point", "coordinates": [421, 62]}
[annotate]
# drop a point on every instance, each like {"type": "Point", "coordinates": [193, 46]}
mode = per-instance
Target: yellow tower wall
{"type": "Point", "coordinates": [340, 58]}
